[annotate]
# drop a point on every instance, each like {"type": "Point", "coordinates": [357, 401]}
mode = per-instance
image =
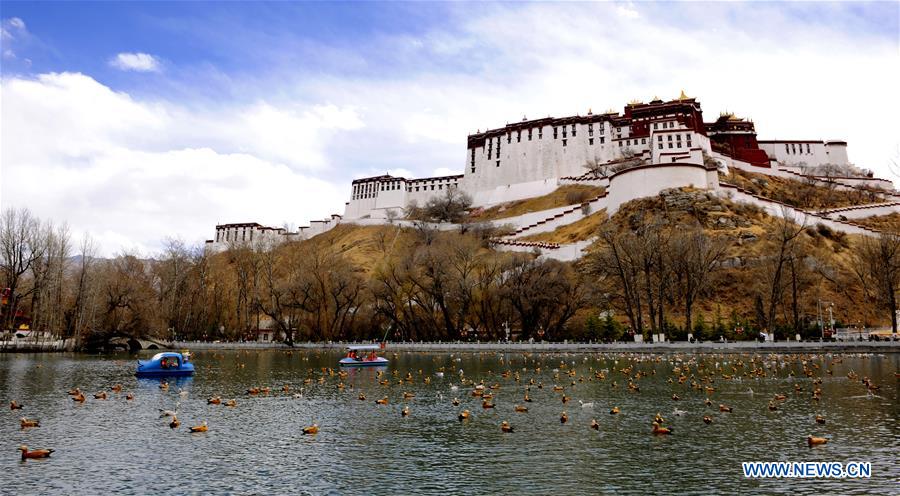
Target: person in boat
{"type": "Point", "coordinates": [164, 363]}
{"type": "Point", "coordinates": [371, 356]}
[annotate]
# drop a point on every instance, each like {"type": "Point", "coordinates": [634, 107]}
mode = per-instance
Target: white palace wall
{"type": "Point", "coordinates": [650, 180]}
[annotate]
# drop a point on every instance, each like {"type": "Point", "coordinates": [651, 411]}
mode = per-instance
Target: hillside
{"type": "Point", "coordinates": [802, 194]}
{"type": "Point", "coordinates": [560, 197]}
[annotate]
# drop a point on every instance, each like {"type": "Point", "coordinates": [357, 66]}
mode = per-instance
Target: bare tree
{"type": "Point", "coordinates": [783, 242]}
{"type": "Point", "coordinates": [694, 257]}
{"type": "Point", "coordinates": [877, 265]}
{"type": "Point", "coordinates": [21, 247]}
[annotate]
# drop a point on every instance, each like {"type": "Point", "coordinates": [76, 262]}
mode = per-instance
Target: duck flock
{"type": "Point", "coordinates": [510, 392]}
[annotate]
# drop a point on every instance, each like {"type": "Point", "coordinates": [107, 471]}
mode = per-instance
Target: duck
{"type": "Point", "coordinates": [487, 404]}
{"type": "Point", "coordinates": [200, 428]}
{"type": "Point", "coordinates": [78, 397]}
{"type": "Point", "coordinates": [659, 419]}
{"type": "Point", "coordinates": [129, 396]}
{"type": "Point", "coordinates": [408, 396]}
{"type": "Point", "coordinates": [725, 408]}
{"type": "Point", "coordinates": [286, 388]}
{"type": "Point", "coordinates": [660, 430]}
{"type": "Point", "coordinates": [595, 425]}
{"type": "Point", "coordinates": [820, 419]}
{"type": "Point", "coordinates": [463, 415]}
{"type": "Point", "coordinates": [675, 397]}
{"type": "Point", "coordinates": [41, 453]}
{"type": "Point", "coordinates": [174, 423]}
{"type": "Point", "coordinates": [505, 427]}
{"type": "Point", "coordinates": [100, 396]}
{"type": "Point", "coordinates": [382, 401]}
{"type": "Point", "coordinates": [404, 412]}
{"type": "Point", "coordinates": [455, 402]}
{"type": "Point", "coordinates": [565, 399]}
{"type": "Point", "coordinates": [614, 411]}
{"type": "Point", "coordinates": [166, 413]}
{"type": "Point", "coordinates": [14, 405]}
{"type": "Point", "coordinates": [310, 430]}
{"type": "Point", "coordinates": [117, 388]}
{"type": "Point", "coordinates": [707, 419]}
{"type": "Point", "coordinates": [232, 403]}
{"type": "Point", "coordinates": [73, 392]}
{"type": "Point", "coordinates": [779, 397]}
{"type": "Point", "coordinates": [253, 390]}
{"type": "Point", "coordinates": [563, 418]}
{"type": "Point", "coordinates": [772, 406]}
{"type": "Point", "coordinates": [25, 423]}
{"type": "Point", "coordinates": [813, 441]}
{"type": "Point", "coordinates": [707, 402]}
{"type": "Point", "coordinates": [267, 390]}
{"type": "Point", "coordinates": [521, 409]}
{"type": "Point", "coordinates": [361, 396]}
{"type": "Point", "coordinates": [164, 386]}
{"type": "Point", "coordinates": [215, 400]}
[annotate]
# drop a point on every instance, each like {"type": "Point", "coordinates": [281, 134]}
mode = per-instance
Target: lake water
{"type": "Point", "coordinates": [120, 446]}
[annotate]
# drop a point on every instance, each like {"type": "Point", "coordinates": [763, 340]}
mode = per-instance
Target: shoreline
{"type": "Point", "coordinates": [677, 347]}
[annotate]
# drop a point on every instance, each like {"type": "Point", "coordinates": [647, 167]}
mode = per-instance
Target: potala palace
{"type": "Point", "coordinates": [645, 149]}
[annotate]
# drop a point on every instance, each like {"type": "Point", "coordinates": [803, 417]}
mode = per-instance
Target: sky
{"type": "Point", "coordinates": [136, 122]}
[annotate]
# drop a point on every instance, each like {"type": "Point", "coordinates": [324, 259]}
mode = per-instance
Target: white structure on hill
{"type": "Point", "coordinates": [533, 157]}
{"type": "Point", "coordinates": [646, 149]}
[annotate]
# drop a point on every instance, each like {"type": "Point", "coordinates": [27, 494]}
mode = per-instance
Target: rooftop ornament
{"type": "Point", "coordinates": [682, 96]}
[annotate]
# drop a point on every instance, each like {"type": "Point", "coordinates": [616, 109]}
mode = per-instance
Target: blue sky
{"type": "Point", "coordinates": [171, 117]}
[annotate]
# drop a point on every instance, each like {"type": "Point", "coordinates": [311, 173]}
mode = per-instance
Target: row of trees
{"type": "Point", "coordinates": [422, 284]}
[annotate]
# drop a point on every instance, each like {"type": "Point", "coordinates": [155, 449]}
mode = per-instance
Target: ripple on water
{"type": "Point", "coordinates": [120, 446]}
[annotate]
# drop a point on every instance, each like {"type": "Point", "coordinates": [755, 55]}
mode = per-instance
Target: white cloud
{"type": "Point", "coordinates": [137, 62]}
{"type": "Point", "coordinates": [133, 172]}
{"type": "Point", "coordinates": [12, 31]}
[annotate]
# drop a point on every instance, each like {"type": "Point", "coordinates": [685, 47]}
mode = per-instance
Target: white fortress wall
{"type": "Point", "coordinates": [863, 211]}
{"type": "Point", "coordinates": [650, 180]}
{"type": "Point", "coordinates": [809, 152]}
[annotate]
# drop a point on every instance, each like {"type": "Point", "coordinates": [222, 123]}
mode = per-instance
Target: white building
{"type": "Point", "coordinates": [668, 140]}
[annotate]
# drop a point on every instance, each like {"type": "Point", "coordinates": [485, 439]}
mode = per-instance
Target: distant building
{"type": "Point", "coordinates": [533, 157]}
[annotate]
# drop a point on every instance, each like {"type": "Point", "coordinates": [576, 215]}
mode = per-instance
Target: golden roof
{"type": "Point", "coordinates": [682, 96]}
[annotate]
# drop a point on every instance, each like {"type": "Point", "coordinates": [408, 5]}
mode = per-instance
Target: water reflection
{"type": "Point", "coordinates": [118, 445]}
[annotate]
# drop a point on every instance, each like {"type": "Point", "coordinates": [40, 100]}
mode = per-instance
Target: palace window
{"type": "Point", "coordinates": [658, 137]}
{"type": "Point", "coordinates": [472, 161]}
{"type": "Point", "coordinates": [670, 137]}
{"type": "Point", "coordinates": [498, 147]}
{"type": "Point", "coordinates": [660, 146]}
{"type": "Point", "coordinates": [564, 142]}
{"type": "Point", "coordinates": [564, 131]}
{"type": "Point", "coordinates": [473, 169]}
{"type": "Point", "coordinates": [440, 186]}
{"type": "Point", "coordinates": [602, 140]}
{"type": "Point", "coordinates": [529, 135]}
{"type": "Point", "coordinates": [787, 148]}
{"type": "Point", "coordinates": [554, 133]}
{"type": "Point", "coordinates": [689, 141]}
{"type": "Point", "coordinates": [417, 188]}
{"type": "Point", "coordinates": [590, 129]}
{"type": "Point", "coordinates": [807, 148]}
{"type": "Point", "coordinates": [643, 141]}
{"type": "Point", "coordinates": [498, 163]}
{"type": "Point", "coordinates": [508, 138]}
{"type": "Point", "coordinates": [655, 126]}
{"type": "Point", "coordinates": [540, 133]}
{"type": "Point", "coordinates": [518, 136]}
{"type": "Point", "coordinates": [590, 141]}
{"type": "Point", "coordinates": [620, 144]}
{"type": "Point", "coordinates": [573, 130]}
{"type": "Point", "coordinates": [670, 145]}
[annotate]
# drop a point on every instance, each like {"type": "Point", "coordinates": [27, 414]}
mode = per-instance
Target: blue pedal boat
{"type": "Point", "coordinates": [357, 357]}
{"type": "Point", "coordinates": [166, 364]}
